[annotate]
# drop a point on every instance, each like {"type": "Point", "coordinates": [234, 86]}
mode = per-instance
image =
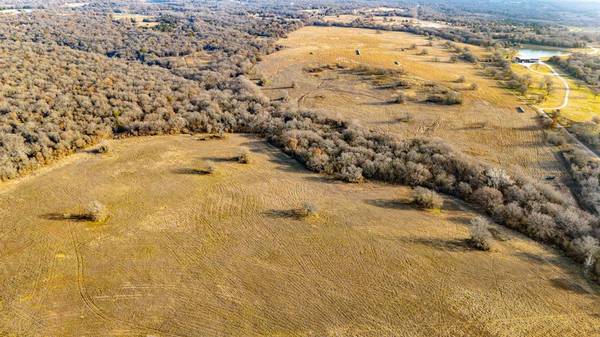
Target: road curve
{"type": "Point", "coordinates": [564, 104]}
{"type": "Point", "coordinates": [565, 101]}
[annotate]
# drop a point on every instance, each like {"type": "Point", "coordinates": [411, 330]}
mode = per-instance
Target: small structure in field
{"type": "Point", "coordinates": [520, 109]}
{"type": "Point", "coordinates": [358, 52]}
{"type": "Point", "coordinates": [526, 60]}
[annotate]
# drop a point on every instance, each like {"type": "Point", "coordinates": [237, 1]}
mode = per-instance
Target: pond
{"type": "Point", "coordinates": [536, 53]}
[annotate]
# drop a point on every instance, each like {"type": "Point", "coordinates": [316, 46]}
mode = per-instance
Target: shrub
{"type": "Point", "coordinates": [541, 226]}
{"type": "Point", "coordinates": [464, 190]}
{"type": "Point", "coordinates": [103, 148]}
{"type": "Point", "coordinates": [468, 56]}
{"type": "Point", "coordinates": [352, 174]}
{"type": "Point", "coordinates": [498, 178]}
{"type": "Point", "coordinates": [588, 247]}
{"type": "Point", "coordinates": [513, 214]}
{"type": "Point", "coordinates": [244, 157]}
{"type": "Point", "coordinates": [480, 235]}
{"type": "Point", "coordinates": [426, 198]}
{"type": "Point", "coordinates": [400, 99]}
{"type": "Point", "coordinates": [547, 122]}
{"type": "Point", "coordinates": [209, 167]}
{"type": "Point", "coordinates": [555, 138]}
{"type": "Point", "coordinates": [487, 197]}
{"type": "Point", "coordinates": [308, 209]}
{"type": "Point", "coordinates": [452, 98]}
{"type": "Point", "coordinates": [96, 212]}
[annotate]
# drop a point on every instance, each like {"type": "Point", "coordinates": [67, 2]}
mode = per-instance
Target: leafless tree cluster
{"type": "Point", "coordinates": [589, 132]}
{"type": "Point", "coordinates": [586, 173]}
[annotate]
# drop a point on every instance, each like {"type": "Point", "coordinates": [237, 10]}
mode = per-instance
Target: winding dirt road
{"type": "Point", "coordinates": [563, 105]}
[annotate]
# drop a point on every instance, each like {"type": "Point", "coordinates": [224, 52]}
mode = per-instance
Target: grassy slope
{"type": "Point", "coordinates": [217, 255]}
{"type": "Point", "coordinates": [507, 138]}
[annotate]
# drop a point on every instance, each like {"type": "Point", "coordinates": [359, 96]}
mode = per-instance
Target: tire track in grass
{"type": "Point", "coordinates": [87, 300]}
{"type": "Point", "coordinates": [92, 306]}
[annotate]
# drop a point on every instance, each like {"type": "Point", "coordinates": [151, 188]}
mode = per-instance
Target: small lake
{"type": "Point", "coordinates": [536, 53]}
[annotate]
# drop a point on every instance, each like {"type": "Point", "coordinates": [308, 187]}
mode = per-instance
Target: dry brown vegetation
{"type": "Point", "coordinates": [220, 255]}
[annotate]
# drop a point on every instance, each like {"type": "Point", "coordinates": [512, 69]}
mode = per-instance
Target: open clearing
{"type": "Point", "coordinates": [485, 126]}
{"type": "Point", "coordinates": [220, 255]}
{"type": "Point", "coordinates": [144, 21]}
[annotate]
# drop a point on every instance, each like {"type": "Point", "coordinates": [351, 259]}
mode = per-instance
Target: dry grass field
{"type": "Point", "coordinates": [222, 254]}
{"type": "Point", "coordinates": [486, 125]}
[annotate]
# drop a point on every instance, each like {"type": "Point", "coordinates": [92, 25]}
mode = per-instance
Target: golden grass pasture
{"type": "Point", "coordinates": [219, 255]}
{"type": "Point", "coordinates": [583, 104]}
{"type": "Point", "coordinates": [486, 126]}
{"type": "Point", "coordinates": [556, 95]}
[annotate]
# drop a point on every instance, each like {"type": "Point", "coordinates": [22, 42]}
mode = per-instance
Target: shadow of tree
{"type": "Point", "coordinates": [286, 213]}
{"type": "Point", "coordinates": [222, 159]}
{"type": "Point", "coordinates": [323, 179]}
{"type": "Point", "coordinates": [191, 171]}
{"type": "Point", "coordinates": [66, 216]}
{"type": "Point", "coordinates": [454, 245]}
{"type": "Point", "coordinates": [498, 234]}
{"type": "Point", "coordinates": [566, 284]}
{"type": "Point", "coordinates": [391, 203]}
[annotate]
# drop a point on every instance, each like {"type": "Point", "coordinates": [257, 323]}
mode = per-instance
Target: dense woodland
{"type": "Point", "coordinates": [72, 78]}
